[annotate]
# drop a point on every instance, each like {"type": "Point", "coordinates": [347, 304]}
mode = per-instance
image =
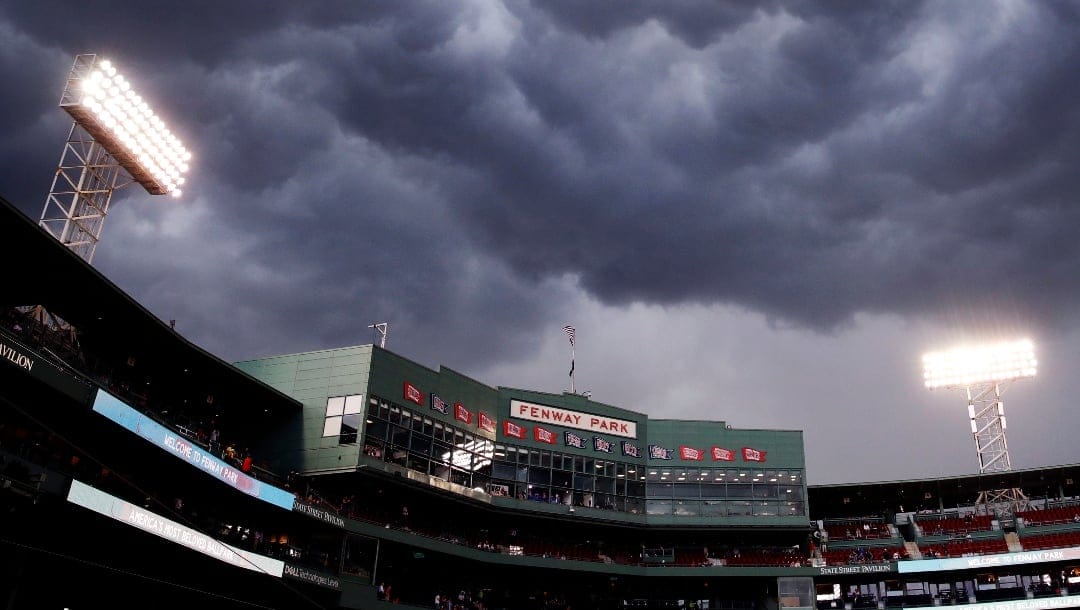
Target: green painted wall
{"type": "Point", "coordinates": [312, 378]}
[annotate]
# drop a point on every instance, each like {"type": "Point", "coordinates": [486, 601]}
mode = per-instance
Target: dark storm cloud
{"type": "Point", "coordinates": [455, 167]}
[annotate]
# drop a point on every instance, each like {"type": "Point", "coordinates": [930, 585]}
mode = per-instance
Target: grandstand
{"type": "Point", "coordinates": [141, 471]}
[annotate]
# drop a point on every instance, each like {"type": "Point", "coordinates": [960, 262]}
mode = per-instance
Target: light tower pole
{"type": "Point", "coordinates": [115, 139]}
{"type": "Point", "coordinates": [982, 374]}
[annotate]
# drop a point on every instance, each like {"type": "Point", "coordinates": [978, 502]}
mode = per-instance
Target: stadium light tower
{"type": "Point", "coordinates": [115, 136]}
{"type": "Point", "coordinates": [983, 373]}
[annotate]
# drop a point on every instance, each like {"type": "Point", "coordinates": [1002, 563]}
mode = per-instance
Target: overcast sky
{"type": "Point", "coordinates": [762, 214]}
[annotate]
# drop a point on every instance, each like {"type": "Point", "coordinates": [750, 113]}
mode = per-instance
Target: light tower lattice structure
{"type": "Point", "coordinates": [982, 374]}
{"type": "Point", "coordinates": [115, 140]}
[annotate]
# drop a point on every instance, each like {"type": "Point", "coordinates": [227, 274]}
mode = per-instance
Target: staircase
{"type": "Point", "coordinates": [1013, 540]}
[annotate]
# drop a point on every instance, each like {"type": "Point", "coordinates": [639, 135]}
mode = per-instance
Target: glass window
{"type": "Point", "coordinates": [332, 426]}
{"type": "Point", "coordinates": [343, 417]}
{"type": "Point", "coordinates": [713, 508]}
{"type": "Point", "coordinates": [739, 508]}
{"type": "Point", "coordinates": [659, 490]}
{"type": "Point", "coordinates": [766, 508]}
{"type": "Point", "coordinates": [376, 430]}
{"type": "Point", "coordinates": [561, 478]}
{"type": "Point", "coordinates": [350, 425]}
{"type": "Point", "coordinates": [421, 444]}
{"type": "Point", "coordinates": [740, 490]}
{"type": "Point", "coordinates": [713, 490]}
{"type": "Point", "coordinates": [335, 406]}
{"type": "Point", "coordinates": [605, 485]}
{"type": "Point", "coordinates": [399, 436]}
{"type": "Point", "coordinates": [686, 508]}
{"type": "Point", "coordinates": [583, 482]}
{"type": "Point", "coordinates": [354, 404]}
{"type": "Point", "coordinates": [503, 471]}
{"type": "Point", "coordinates": [658, 507]}
{"type": "Point", "coordinates": [539, 476]}
{"type": "Point", "coordinates": [686, 490]}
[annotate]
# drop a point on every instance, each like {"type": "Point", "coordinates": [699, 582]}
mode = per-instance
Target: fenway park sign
{"type": "Point", "coordinates": [572, 419]}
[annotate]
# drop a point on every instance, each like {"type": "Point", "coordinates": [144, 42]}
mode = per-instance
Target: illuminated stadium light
{"type": "Point", "coordinates": [982, 374]}
{"type": "Point", "coordinates": [967, 366]}
{"type": "Point", "coordinates": [114, 133]}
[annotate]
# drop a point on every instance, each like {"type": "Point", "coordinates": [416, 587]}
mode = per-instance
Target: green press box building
{"type": "Point", "coordinates": [365, 407]}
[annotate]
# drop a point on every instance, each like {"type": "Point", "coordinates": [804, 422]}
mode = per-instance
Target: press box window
{"type": "Point", "coordinates": [343, 417]}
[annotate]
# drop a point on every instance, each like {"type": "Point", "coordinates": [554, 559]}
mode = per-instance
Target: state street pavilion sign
{"type": "Point", "coordinates": [572, 419]}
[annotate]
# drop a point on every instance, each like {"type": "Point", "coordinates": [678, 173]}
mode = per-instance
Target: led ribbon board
{"type": "Point", "coordinates": [183, 448]}
{"type": "Point", "coordinates": [125, 512]}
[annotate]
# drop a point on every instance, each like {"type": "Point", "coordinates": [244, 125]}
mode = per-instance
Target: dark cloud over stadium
{"type": "Point", "coordinates": [759, 213]}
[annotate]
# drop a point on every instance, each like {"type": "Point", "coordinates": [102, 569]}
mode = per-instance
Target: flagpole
{"type": "Point", "coordinates": [570, 332]}
{"type": "Point", "coordinates": [573, 358]}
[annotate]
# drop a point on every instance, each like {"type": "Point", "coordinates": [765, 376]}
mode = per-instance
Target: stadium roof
{"type": "Point", "coordinates": [114, 327]}
{"type": "Point", "coordinates": [887, 497]}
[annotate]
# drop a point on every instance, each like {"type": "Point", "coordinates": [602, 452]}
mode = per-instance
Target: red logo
{"type": "Point", "coordinates": [413, 394]}
{"type": "Point", "coordinates": [690, 453]}
{"type": "Point", "coordinates": [485, 422]}
{"type": "Point", "coordinates": [461, 413]}
{"type": "Point", "coordinates": [752, 455]}
{"type": "Point", "coordinates": [544, 436]}
{"type": "Point", "coordinates": [719, 454]}
{"type": "Point", "coordinates": [514, 430]}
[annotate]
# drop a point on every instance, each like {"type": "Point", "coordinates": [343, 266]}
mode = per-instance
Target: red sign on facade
{"type": "Point", "coordinates": [543, 436]}
{"type": "Point", "coordinates": [485, 422]}
{"type": "Point", "coordinates": [719, 454]}
{"type": "Point", "coordinates": [413, 394]}
{"type": "Point", "coordinates": [461, 413]}
{"type": "Point", "coordinates": [514, 430]}
{"type": "Point", "coordinates": [691, 453]}
{"type": "Point", "coordinates": [752, 455]}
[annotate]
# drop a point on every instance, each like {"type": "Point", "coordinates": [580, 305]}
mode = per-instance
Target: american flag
{"type": "Point", "coordinates": [569, 330]}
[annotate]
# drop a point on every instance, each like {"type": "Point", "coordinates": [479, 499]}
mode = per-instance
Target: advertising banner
{"type": "Point", "coordinates": [102, 503]}
{"type": "Point", "coordinates": [485, 422]}
{"type": "Point", "coordinates": [184, 448]}
{"type": "Point", "coordinates": [462, 414]}
{"type": "Point", "coordinates": [543, 435]}
{"type": "Point", "coordinates": [438, 404]}
{"type": "Point", "coordinates": [311, 576]}
{"type": "Point", "coordinates": [413, 394]}
{"type": "Point", "coordinates": [691, 453]}
{"type": "Point", "coordinates": [752, 455]}
{"type": "Point", "coordinates": [989, 561]}
{"type": "Point", "coordinates": [719, 454]}
{"type": "Point", "coordinates": [514, 430]}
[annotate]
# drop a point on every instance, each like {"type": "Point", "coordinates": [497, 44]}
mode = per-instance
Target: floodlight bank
{"type": "Point", "coordinates": [121, 121]}
{"type": "Point", "coordinates": [984, 364]}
